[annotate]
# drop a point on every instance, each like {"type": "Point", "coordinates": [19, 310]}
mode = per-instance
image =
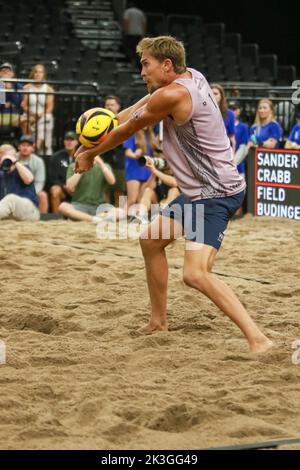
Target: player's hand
{"type": "Point", "coordinates": [80, 149]}
{"type": "Point", "coordinates": [84, 161]}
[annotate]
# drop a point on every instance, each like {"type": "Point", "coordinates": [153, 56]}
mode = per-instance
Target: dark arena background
{"type": "Point", "coordinates": [74, 372]}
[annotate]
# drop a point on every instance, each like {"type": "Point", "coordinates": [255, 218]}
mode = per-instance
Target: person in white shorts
{"type": "Point", "coordinates": [18, 199]}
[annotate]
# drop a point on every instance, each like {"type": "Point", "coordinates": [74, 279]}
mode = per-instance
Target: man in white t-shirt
{"type": "Point", "coordinates": [134, 28]}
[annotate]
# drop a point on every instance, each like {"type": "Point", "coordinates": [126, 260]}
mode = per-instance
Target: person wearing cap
{"type": "Point", "coordinates": [37, 166]}
{"type": "Point", "coordinates": [58, 166]}
{"type": "Point", "coordinates": [18, 199]}
{"type": "Point", "coordinates": [10, 111]}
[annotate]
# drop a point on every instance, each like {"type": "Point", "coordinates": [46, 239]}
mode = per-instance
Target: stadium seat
{"type": "Point", "coordinates": [233, 42]}
{"type": "Point", "coordinates": [156, 23]}
{"type": "Point", "coordinates": [251, 52]}
{"type": "Point", "coordinates": [267, 70]}
{"type": "Point", "coordinates": [286, 75]}
{"type": "Point", "coordinates": [214, 34]}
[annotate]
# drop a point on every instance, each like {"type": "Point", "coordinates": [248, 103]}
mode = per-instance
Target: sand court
{"type": "Point", "coordinates": [78, 376]}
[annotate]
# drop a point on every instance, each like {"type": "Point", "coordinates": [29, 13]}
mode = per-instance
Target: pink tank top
{"type": "Point", "coordinates": [199, 151]}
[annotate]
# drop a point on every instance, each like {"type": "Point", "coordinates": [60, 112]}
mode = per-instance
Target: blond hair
{"type": "Point", "coordinates": [164, 47]}
{"type": "Point", "coordinates": [269, 102]}
{"type": "Point", "coordinates": [33, 70]}
{"type": "Point", "coordinates": [7, 149]}
{"type": "Point", "coordinates": [141, 138]}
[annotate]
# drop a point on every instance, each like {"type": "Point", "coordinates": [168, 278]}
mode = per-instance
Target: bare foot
{"type": "Point", "coordinates": [261, 346]}
{"type": "Point", "coordinates": [152, 327]}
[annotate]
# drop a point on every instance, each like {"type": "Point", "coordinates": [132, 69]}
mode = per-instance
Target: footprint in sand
{"type": "Point", "coordinates": [125, 275]}
{"type": "Point", "coordinates": [174, 419]}
{"type": "Point", "coordinates": [110, 314]}
{"type": "Point", "coordinates": [90, 261]}
{"type": "Point", "coordinates": [40, 323]}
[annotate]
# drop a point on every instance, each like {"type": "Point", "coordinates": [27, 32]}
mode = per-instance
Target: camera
{"type": "Point", "coordinates": [6, 165]}
{"type": "Point", "coordinates": [159, 163]}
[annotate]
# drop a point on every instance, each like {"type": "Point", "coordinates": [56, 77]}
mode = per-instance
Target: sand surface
{"type": "Point", "coordinates": [78, 377]}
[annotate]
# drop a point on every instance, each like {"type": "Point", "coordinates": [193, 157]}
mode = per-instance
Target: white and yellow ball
{"type": "Point", "coordinates": [94, 125]}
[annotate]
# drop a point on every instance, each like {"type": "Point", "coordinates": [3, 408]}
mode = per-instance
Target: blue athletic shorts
{"type": "Point", "coordinates": [204, 220]}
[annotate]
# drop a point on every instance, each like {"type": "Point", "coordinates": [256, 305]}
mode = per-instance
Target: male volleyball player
{"type": "Point", "coordinates": [199, 153]}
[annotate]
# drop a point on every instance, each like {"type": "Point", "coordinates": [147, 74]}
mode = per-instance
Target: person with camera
{"type": "Point", "coordinates": [17, 192]}
{"type": "Point", "coordinates": [26, 156]}
{"type": "Point", "coordinates": [161, 187]}
{"type": "Point", "coordinates": [143, 142]}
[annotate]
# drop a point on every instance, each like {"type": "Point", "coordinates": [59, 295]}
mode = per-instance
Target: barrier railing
{"type": "Point", "coordinates": [72, 98]}
{"type": "Point", "coordinates": [34, 118]}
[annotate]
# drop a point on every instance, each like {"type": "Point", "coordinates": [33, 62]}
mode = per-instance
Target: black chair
{"type": "Point", "coordinates": [214, 33]}
{"type": "Point", "coordinates": [251, 52]}
{"type": "Point", "coordinates": [268, 68]}
{"type": "Point", "coordinates": [286, 75]}
{"type": "Point", "coordinates": [233, 43]}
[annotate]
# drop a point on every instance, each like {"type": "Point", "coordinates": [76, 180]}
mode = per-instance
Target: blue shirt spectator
{"type": "Point", "coordinates": [260, 134]}
{"type": "Point", "coordinates": [227, 114]}
{"type": "Point", "coordinates": [11, 109]}
{"type": "Point", "coordinates": [12, 183]}
{"type": "Point", "coordinates": [229, 123]}
{"type": "Point", "coordinates": [133, 171]}
{"type": "Point", "coordinates": [266, 132]}
{"type": "Point", "coordinates": [293, 141]}
{"type": "Point", "coordinates": [241, 137]}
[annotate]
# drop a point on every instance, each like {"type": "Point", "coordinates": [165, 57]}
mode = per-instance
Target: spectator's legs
{"type": "Point", "coordinates": [43, 202]}
{"type": "Point", "coordinates": [172, 194]}
{"type": "Point", "coordinates": [116, 197]}
{"type": "Point", "coordinates": [25, 125]}
{"type": "Point", "coordinates": [19, 208]}
{"type": "Point", "coordinates": [148, 198]}
{"type": "Point", "coordinates": [57, 195]}
{"type": "Point", "coordinates": [133, 189]}
{"type": "Point", "coordinates": [68, 211]}
{"type": "Point", "coordinates": [49, 132]}
{"type": "Point", "coordinates": [44, 134]}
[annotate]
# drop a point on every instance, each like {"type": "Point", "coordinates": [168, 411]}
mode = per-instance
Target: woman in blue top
{"type": "Point", "coordinates": [228, 114]}
{"type": "Point", "coordinates": [293, 141]}
{"type": "Point", "coordinates": [266, 132]}
{"type": "Point", "coordinates": [142, 143]}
